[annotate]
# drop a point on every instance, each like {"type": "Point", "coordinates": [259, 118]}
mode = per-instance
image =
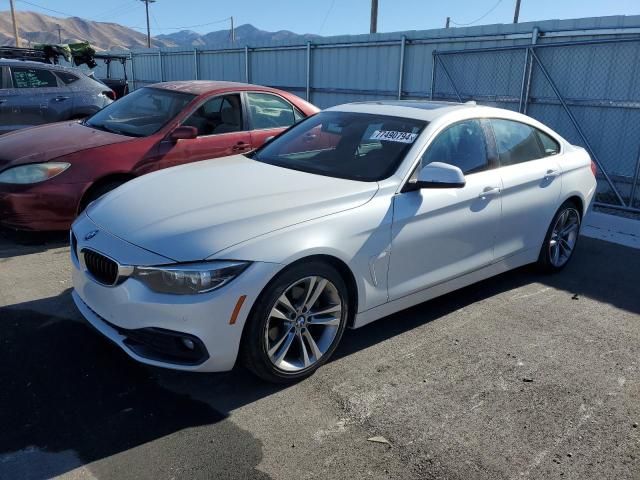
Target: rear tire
{"type": "Point", "coordinates": [297, 323]}
{"type": "Point", "coordinates": [561, 239]}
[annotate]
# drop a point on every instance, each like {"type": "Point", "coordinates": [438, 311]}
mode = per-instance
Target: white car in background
{"type": "Point", "coordinates": [358, 212]}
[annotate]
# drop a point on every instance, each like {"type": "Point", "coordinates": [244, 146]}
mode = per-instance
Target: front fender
{"type": "Point", "coordinates": [360, 238]}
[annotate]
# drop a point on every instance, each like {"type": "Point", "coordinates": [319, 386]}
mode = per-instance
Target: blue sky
{"type": "Point", "coordinates": [325, 17]}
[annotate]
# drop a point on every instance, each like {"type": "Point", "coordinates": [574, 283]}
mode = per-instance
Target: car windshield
{"type": "Point", "coordinates": [141, 113]}
{"type": "Point", "coordinates": [354, 146]}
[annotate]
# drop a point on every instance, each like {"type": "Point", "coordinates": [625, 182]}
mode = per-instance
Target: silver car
{"type": "Point", "coordinates": [33, 93]}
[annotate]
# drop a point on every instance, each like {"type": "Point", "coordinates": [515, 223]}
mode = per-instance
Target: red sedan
{"type": "Point", "coordinates": [50, 173]}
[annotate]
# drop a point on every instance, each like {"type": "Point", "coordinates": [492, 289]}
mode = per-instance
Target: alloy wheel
{"type": "Point", "coordinates": [563, 237]}
{"type": "Point", "coordinates": [303, 324]}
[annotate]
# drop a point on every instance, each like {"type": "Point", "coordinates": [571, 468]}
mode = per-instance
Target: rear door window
{"type": "Point", "coordinates": [32, 78]}
{"type": "Point", "coordinates": [516, 142]}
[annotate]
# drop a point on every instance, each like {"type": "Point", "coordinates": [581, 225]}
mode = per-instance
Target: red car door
{"type": "Point", "coordinates": [269, 114]}
{"type": "Point", "coordinates": [222, 131]}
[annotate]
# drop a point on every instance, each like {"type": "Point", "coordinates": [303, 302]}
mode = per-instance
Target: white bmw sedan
{"type": "Point", "coordinates": [355, 213]}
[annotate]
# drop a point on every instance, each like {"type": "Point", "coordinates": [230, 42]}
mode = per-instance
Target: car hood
{"type": "Point", "coordinates": [191, 212]}
{"type": "Point", "coordinates": [47, 142]}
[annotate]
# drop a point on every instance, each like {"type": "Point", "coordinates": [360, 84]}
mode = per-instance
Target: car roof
{"type": "Point", "coordinates": [200, 87]}
{"type": "Point", "coordinates": [8, 62]}
{"type": "Point", "coordinates": [427, 110]}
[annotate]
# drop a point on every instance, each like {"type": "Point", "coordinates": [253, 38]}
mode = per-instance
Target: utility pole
{"type": "Point", "coordinates": [448, 21]}
{"type": "Point", "coordinates": [15, 24]}
{"type": "Point", "coordinates": [516, 14]}
{"type": "Point", "coordinates": [233, 32]}
{"type": "Point", "coordinates": [59, 33]}
{"type": "Point", "coordinates": [146, 3]}
{"type": "Point", "coordinates": [374, 16]}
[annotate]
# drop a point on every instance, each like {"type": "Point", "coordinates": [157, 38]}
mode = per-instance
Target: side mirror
{"type": "Point", "coordinates": [183, 133]}
{"type": "Point", "coordinates": [439, 175]}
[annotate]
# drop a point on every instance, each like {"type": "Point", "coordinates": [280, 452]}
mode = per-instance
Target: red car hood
{"type": "Point", "coordinates": [47, 142]}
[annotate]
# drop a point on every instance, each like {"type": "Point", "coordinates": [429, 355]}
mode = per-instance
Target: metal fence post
{"type": "Point", "coordinates": [133, 71]}
{"type": "Point", "coordinates": [403, 43]}
{"type": "Point", "coordinates": [575, 123]}
{"type": "Point", "coordinates": [434, 62]}
{"type": "Point", "coordinates": [246, 63]}
{"type": "Point", "coordinates": [161, 65]}
{"type": "Point", "coordinates": [526, 76]}
{"type": "Point", "coordinates": [308, 84]}
{"type": "Point", "coordinates": [196, 73]}
{"type": "Point", "coordinates": [634, 185]}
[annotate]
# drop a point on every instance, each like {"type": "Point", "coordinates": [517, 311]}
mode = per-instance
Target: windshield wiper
{"type": "Point", "coordinates": [104, 128]}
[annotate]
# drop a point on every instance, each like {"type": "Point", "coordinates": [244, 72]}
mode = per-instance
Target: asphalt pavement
{"type": "Point", "coordinates": [523, 376]}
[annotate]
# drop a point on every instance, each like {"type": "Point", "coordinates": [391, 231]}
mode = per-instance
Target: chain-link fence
{"type": "Point", "coordinates": [587, 91]}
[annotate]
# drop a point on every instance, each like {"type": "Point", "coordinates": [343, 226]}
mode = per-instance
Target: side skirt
{"type": "Point", "coordinates": [504, 265]}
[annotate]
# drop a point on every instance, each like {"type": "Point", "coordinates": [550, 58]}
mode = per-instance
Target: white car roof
{"type": "Point", "coordinates": [416, 109]}
{"type": "Point", "coordinates": [430, 111]}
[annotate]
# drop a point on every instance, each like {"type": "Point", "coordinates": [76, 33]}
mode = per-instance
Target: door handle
{"type": "Point", "coordinates": [552, 173]}
{"type": "Point", "coordinates": [489, 192]}
{"type": "Point", "coordinates": [61, 98]}
{"type": "Point", "coordinates": [240, 146]}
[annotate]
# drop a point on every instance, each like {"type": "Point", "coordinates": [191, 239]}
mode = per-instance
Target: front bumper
{"type": "Point", "coordinates": [129, 307]}
{"type": "Point", "coordinates": [39, 207]}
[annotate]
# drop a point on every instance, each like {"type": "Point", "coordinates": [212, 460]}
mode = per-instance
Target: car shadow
{"type": "Point", "coordinates": [68, 391]}
{"type": "Point", "coordinates": [69, 398]}
{"type": "Point", "coordinates": [16, 244]}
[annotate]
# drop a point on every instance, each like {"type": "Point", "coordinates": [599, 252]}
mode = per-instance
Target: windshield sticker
{"type": "Point", "coordinates": [393, 136]}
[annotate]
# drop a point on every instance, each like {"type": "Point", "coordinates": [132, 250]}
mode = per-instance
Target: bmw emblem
{"type": "Point", "coordinates": [90, 235]}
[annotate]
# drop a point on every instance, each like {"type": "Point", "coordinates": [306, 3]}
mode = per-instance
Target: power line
{"type": "Point", "coordinates": [47, 9]}
{"type": "Point", "coordinates": [194, 26]}
{"type": "Point", "coordinates": [185, 27]}
{"type": "Point", "coordinates": [117, 11]}
{"type": "Point", "coordinates": [479, 18]}
{"type": "Point", "coordinates": [326, 16]}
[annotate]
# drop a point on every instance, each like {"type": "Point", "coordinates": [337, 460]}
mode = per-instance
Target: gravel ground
{"type": "Point", "coordinates": [523, 376]}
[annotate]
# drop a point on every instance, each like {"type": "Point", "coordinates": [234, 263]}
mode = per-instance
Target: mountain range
{"type": "Point", "coordinates": [38, 28]}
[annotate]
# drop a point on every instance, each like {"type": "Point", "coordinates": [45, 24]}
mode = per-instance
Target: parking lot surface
{"type": "Point", "coordinates": [523, 376]}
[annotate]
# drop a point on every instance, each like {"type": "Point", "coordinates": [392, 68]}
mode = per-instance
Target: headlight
{"type": "Point", "coordinates": [33, 173]}
{"type": "Point", "coordinates": [190, 278]}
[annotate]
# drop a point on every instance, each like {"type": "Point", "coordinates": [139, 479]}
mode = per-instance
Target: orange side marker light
{"type": "Point", "coordinates": [236, 310]}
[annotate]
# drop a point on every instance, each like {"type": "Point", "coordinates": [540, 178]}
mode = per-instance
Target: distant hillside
{"type": "Point", "coordinates": [39, 28]}
{"type": "Point", "coordinates": [245, 34]}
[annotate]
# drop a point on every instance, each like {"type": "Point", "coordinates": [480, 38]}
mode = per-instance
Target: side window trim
{"type": "Point", "coordinates": [5, 78]}
{"type": "Point", "coordinates": [250, 117]}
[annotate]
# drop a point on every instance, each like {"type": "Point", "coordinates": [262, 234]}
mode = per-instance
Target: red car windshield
{"type": "Point", "coordinates": [141, 113]}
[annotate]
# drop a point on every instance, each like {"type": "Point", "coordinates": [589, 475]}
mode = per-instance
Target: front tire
{"type": "Point", "coordinates": [296, 323]}
{"type": "Point", "coordinates": [561, 239]}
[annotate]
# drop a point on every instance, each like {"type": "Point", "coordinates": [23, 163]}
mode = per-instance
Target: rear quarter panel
{"type": "Point", "coordinates": [577, 177]}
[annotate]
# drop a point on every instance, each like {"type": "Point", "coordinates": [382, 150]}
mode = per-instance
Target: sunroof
{"type": "Point", "coordinates": [421, 104]}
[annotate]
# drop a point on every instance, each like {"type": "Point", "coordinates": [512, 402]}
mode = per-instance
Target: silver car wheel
{"type": "Point", "coordinates": [303, 324]}
{"type": "Point", "coordinates": [563, 237]}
